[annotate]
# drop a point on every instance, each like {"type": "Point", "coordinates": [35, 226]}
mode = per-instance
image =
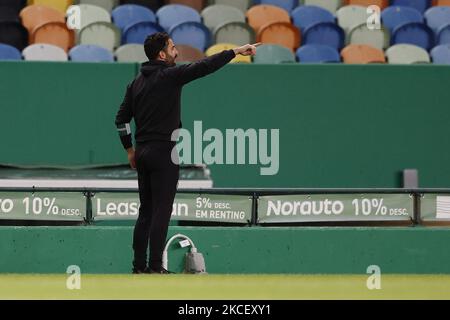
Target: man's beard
{"type": "Point", "coordinates": [171, 61]}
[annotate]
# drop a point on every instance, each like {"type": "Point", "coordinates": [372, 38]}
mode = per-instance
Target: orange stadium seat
{"type": "Point", "coordinates": [188, 54]}
{"type": "Point", "coordinates": [37, 15]}
{"type": "Point", "coordinates": [260, 15]}
{"type": "Point", "coordinates": [441, 3]}
{"type": "Point", "coordinates": [55, 33]}
{"type": "Point", "coordinates": [360, 53]}
{"type": "Point", "coordinates": [282, 33]}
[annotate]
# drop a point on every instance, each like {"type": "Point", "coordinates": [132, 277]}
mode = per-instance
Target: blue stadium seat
{"type": "Point", "coordinates": [287, 5]}
{"type": "Point", "coordinates": [304, 17]}
{"type": "Point", "coordinates": [317, 53]}
{"type": "Point", "coordinates": [194, 34]}
{"type": "Point", "coordinates": [437, 17]}
{"type": "Point", "coordinates": [441, 54]}
{"type": "Point", "coordinates": [325, 33]}
{"type": "Point", "coordinates": [8, 52]}
{"type": "Point", "coordinates": [90, 53]}
{"type": "Point", "coordinates": [418, 34]}
{"type": "Point", "coordinates": [129, 14]}
{"type": "Point", "coordinates": [443, 36]}
{"type": "Point", "coordinates": [137, 32]}
{"type": "Point", "coordinates": [420, 5]}
{"type": "Point", "coordinates": [394, 16]}
{"type": "Point", "coordinates": [174, 14]}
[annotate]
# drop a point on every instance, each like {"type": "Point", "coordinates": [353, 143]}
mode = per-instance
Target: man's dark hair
{"type": "Point", "coordinates": [155, 43]}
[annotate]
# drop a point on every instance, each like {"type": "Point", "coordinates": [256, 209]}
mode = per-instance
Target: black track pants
{"type": "Point", "coordinates": [158, 178]}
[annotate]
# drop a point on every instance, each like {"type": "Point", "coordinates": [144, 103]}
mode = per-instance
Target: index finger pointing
{"type": "Point", "coordinates": [257, 44]}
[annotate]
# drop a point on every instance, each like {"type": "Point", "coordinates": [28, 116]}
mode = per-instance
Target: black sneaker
{"type": "Point", "coordinates": [141, 271]}
{"type": "Point", "coordinates": [161, 271]}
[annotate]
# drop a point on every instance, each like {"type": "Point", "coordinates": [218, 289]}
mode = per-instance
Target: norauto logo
{"type": "Point", "coordinates": [292, 208]}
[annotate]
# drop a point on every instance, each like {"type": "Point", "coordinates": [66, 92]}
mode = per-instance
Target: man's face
{"type": "Point", "coordinates": [171, 53]}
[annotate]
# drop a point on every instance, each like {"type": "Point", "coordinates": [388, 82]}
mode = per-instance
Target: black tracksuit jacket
{"type": "Point", "coordinates": [153, 98]}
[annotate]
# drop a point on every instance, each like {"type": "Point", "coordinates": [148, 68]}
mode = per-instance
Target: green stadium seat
{"type": "Point", "coordinates": [103, 34]}
{"type": "Point", "coordinates": [377, 38]}
{"type": "Point", "coordinates": [132, 52]}
{"type": "Point", "coordinates": [271, 53]}
{"type": "Point", "coordinates": [90, 13]}
{"type": "Point", "coordinates": [349, 17]}
{"type": "Point", "coordinates": [407, 54]}
{"type": "Point", "coordinates": [234, 32]}
{"type": "Point", "coordinates": [219, 14]}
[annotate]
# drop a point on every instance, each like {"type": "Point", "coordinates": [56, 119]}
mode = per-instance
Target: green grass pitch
{"type": "Point", "coordinates": [215, 287]}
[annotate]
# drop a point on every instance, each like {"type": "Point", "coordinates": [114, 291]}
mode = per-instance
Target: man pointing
{"type": "Point", "coordinates": [153, 100]}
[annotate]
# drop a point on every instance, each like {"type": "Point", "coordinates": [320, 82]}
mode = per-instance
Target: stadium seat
{"type": "Point", "coordinates": [304, 17]}
{"type": "Point", "coordinates": [138, 32]}
{"type": "Point", "coordinates": [188, 54]}
{"type": "Point", "coordinates": [395, 16]}
{"type": "Point", "coordinates": [173, 14]}
{"type": "Point", "coordinates": [443, 36]}
{"type": "Point", "coordinates": [281, 33]}
{"type": "Point", "coordinates": [349, 17]}
{"type": "Point", "coordinates": [219, 14]}
{"type": "Point", "coordinates": [153, 5]}
{"type": "Point", "coordinates": [194, 34]}
{"type": "Point", "coordinates": [36, 15]}
{"type": "Point", "coordinates": [325, 33]}
{"type": "Point", "coordinates": [44, 52]}
{"type": "Point", "coordinates": [418, 34]}
{"type": "Point", "coordinates": [90, 53]}
{"type": "Point", "coordinates": [272, 53]}
{"type": "Point", "coordinates": [330, 5]}
{"type": "Point", "coordinates": [131, 53]}
{"type": "Point", "coordinates": [60, 5]}
{"type": "Point", "coordinates": [317, 53]}
{"type": "Point", "coordinates": [377, 38]}
{"type": "Point", "coordinates": [242, 5]}
{"type": "Point", "coordinates": [260, 15]}
{"type": "Point", "coordinates": [108, 5]}
{"type": "Point", "coordinates": [407, 54]}
{"type": "Point", "coordinates": [362, 54]}
{"type": "Point", "coordinates": [196, 4]}
{"type": "Point", "coordinates": [441, 2]}
{"type": "Point", "coordinates": [441, 54]}
{"type": "Point", "coordinates": [365, 3]}
{"type": "Point", "coordinates": [234, 32]}
{"type": "Point", "coordinates": [437, 17]}
{"type": "Point", "coordinates": [15, 5]}
{"type": "Point", "coordinates": [8, 52]}
{"type": "Point", "coordinates": [55, 33]}
{"type": "Point", "coordinates": [104, 34]}
{"type": "Point", "coordinates": [126, 15]}
{"type": "Point", "coordinates": [8, 14]}
{"type": "Point", "coordinates": [90, 14]}
{"type": "Point", "coordinates": [14, 34]}
{"type": "Point", "coordinates": [227, 46]}
{"type": "Point", "coordinates": [420, 5]}
{"type": "Point", "coordinates": [287, 5]}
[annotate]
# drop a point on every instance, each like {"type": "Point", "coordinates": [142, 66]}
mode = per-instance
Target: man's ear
{"type": "Point", "coordinates": [162, 55]}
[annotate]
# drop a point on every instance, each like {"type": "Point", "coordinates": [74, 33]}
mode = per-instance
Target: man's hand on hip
{"type": "Point", "coordinates": [131, 158]}
{"type": "Point", "coordinates": [247, 50]}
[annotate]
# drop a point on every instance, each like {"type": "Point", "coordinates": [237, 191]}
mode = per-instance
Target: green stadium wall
{"type": "Point", "coordinates": [306, 250]}
{"type": "Point", "coordinates": [340, 125]}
